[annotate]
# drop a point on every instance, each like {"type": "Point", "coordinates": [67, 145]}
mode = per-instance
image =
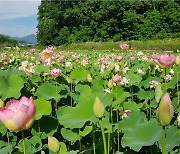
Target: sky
{"type": "Point", "coordinates": [18, 18]}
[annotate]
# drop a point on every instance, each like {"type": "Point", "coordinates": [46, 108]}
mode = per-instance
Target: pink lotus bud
{"type": "Point", "coordinates": [132, 58]}
{"type": "Point", "coordinates": [116, 78]}
{"type": "Point", "coordinates": [18, 114]}
{"type": "Point", "coordinates": [53, 144]}
{"type": "Point", "coordinates": [124, 46]}
{"type": "Point", "coordinates": [98, 108]}
{"type": "Point", "coordinates": [55, 72]}
{"type": "Point", "coordinates": [165, 110]}
{"type": "Point", "coordinates": [166, 60]}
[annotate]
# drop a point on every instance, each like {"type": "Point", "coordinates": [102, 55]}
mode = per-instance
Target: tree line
{"type": "Point", "coordinates": [5, 41]}
{"type": "Point", "coordinates": [64, 21]}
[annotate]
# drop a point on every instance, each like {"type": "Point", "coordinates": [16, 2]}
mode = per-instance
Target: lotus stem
{"type": "Point", "coordinates": [94, 145]}
{"type": "Point", "coordinates": [24, 144]}
{"type": "Point", "coordinates": [118, 131]}
{"type": "Point", "coordinates": [9, 142]}
{"type": "Point", "coordinates": [163, 140]}
{"type": "Point", "coordinates": [103, 135]}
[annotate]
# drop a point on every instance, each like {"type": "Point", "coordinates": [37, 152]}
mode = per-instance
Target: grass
{"type": "Point", "coordinates": [149, 45]}
{"type": "Point", "coordinates": [161, 45]}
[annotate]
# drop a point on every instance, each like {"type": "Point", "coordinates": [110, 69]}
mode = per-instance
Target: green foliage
{"type": "Point", "coordinates": [10, 86]}
{"type": "Point", "coordinates": [139, 132]}
{"type": "Point", "coordinates": [62, 22]}
{"type": "Point", "coordinates": [5, 41]}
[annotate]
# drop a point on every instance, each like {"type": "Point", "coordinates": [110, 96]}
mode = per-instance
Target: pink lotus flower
{"type": "Point", "coordinates": [55, 72]}
{"type": "Point", "coordinates": [47, 56]}
{"type": "Point", "coordinates": [165, 61]}
{"type": "Point", "coordinates": [18, 114]}
{"type": "Point", "coordinates": [124, 46]}
{"type": "Point", "coordinates": [116, 78]}
{"type": "Point", "coordinates": [132, 58]}
{"type": "Point", "coordinates": [32, 50]}
{"type": "Point", "coordinates": [119, 58]}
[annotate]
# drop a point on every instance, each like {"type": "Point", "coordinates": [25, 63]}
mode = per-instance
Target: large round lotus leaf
{"type": "Point", "coordinates": [48, 91]}
{"type": "Point", "coordinates": [79, 74]}
{"type": "Point", "coordinates": [10, 86]}
{"type": "Point", "coordinates": [76, 117]}
{"type": "Point", "coordinates": [70, 135]}
{"type": "Point", "coordinates": [139, 132]}
{"type": "Point", "coordinates": [43, 107]}
{"type": "Point", "coordinates": [172, 138]}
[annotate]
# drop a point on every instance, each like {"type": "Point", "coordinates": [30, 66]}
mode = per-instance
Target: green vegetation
{"type": "Point", "coordinates": [162, 45]}
{"type": "Point", "coordinates": [66, 22]}
{"type": "Point", "coordinates": [5, 41]}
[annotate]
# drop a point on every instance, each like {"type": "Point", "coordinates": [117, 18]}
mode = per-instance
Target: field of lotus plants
{"type": "Point", "coordinates": [91, 102]}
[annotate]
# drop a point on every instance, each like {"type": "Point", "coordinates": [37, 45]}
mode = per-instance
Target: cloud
{"type": "Point", "coordinates": [18, 9]}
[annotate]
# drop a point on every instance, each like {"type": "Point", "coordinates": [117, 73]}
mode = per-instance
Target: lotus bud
{"type": "Point", "coordinates": [110, 83]}
{"type": "Point", "coordinates": [111, 66]}
{"type": "Point", "coordinates": [177, 60]}
{"type": "Point", "coordinates": [165, 111]}
{"type": "Point", "coordinates": [178, 120]}
{"type": "Point", "coordinates": [89, 78]}
{"type": "Point", "coordinates": [1, 103]}
{"type": "Point", "coordinates": [98, 108]}
{"type": "Point", "coordinates": [53, 144]}
{"type": "Point", "coordinates": [42, 152]}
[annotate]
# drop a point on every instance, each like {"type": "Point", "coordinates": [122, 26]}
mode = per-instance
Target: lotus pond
{"type": "Point", "coordinates": [90, 102]}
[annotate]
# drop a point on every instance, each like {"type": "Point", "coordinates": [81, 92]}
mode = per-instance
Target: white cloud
{"type": "Point", "coordinates": [18, 9]}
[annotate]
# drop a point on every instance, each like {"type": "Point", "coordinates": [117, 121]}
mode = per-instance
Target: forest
{"type": "Point", "coordinates": [65, 22]}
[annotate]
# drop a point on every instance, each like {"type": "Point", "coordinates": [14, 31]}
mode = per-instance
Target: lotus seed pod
{"type": "Point", "coordinates": [1, 103]}
{"type": "Point", "coordinates": [165, 111]}
{"type": "Point", "coordinates": [89, 78]}
{"type": "Point", "coordinates": [98, 108]}
{"type": "Point", "coordinates": [53, 144]}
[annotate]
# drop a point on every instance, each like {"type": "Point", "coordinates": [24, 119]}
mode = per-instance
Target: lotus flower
{"type": "Point", "coordinates": [18, 114]}
{"type": "Point", "coordinates": [47, 56]}
{"type": "Point", "coordinates": [132, 58]}
{"type": "Point", "coordinates": [116, 78]}
{"type": "Point", "coordinates": [53, 144]}
{"type": "Point", "coordinates": [165, 111]}
{"type": "Point", "coordinates": [119, 58]}
{"type": "Point", "coordinates": [124, 46]}
{"type": "Point", "coordinates": [166, 60]}
{"type": "Point", "coordinates": [55, 72]}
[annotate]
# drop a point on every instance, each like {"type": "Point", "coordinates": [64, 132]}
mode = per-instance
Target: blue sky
{"type": "Point", "coordinates": [18, 17]}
